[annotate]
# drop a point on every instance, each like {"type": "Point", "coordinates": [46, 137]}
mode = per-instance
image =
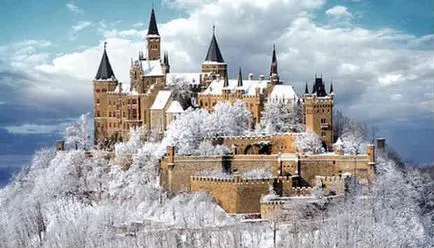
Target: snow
{"type": "Point", "coordinates": [209, 62]}
{"type": "Point", "coordinates": [175, 107]}
{"type": "Point", "coordinates": [161, 100]}
{"type": "Point", "coordinates": [190, 78]}
{"type": "Point", "coordinates": [283, 93]}
{"type": "Point", "coordinates": [249, 86]}
{"type": "Point", "coordinates": [152, 68]}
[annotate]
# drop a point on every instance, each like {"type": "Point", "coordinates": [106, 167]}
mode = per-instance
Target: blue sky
{"type": "Point", "coordinates": [377, 53]}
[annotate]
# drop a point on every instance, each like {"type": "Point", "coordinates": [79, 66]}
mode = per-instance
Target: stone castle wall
{"type": "Point", "coordinates": [237, 194]}
{"type": "Point", "coordinates": [177, 170]}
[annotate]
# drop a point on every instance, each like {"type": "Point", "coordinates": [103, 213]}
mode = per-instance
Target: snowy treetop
{"type": "Point", "coordinates": [190, 78]}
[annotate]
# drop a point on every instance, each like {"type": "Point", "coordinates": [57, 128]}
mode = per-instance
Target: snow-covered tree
{"type": "Point", "coordinates": [280, 117]}
{"type": "Point", "coordinates": [228, 120]}
{"type": "Point", "coordinates": [308, 142]}
{"type": "Point", "coordinates": [186, 132]}
{"type": "Point", "coordinates": [77, 135]}
{"type": "Point", "coordinates": [354, 139]}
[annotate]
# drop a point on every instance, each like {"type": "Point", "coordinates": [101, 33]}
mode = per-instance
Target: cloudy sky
{"type": "Point", "coordinates": [379, 55]}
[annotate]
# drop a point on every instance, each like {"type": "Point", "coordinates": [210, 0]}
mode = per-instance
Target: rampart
{"type": "Point", "coordinates": [262, 144]}
{"type": "Point", "coordinates": [237, 194]}
{"type": "Point", "coordinates": [175, 171]}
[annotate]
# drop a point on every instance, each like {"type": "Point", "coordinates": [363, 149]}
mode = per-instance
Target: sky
{"type": "Point", "coordinates": [378, 54]}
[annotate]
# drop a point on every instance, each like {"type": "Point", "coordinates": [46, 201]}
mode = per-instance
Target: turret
{"type": "Point", "coordinates": [153, 39]}
{"type": "Point", "coordinates": [214, 62]}
{"type": "Point", "coordinates": [274, 75]}
{"type": "Point", "coordinates": [105, 81]}
{"type": "Point", "coordinates": [166, 64]}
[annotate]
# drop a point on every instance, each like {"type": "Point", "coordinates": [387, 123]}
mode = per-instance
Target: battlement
{"type": "Point", "coordinates": [234, 180]}
{"type": "Point", "coordinates": [301, 191]}
{"type": "Point", "coordinates": [255, 137]}
{"type": "Point", "coordinates": [333, 179]}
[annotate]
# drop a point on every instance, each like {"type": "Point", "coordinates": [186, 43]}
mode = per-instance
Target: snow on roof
{"type": "Point", "coordinates": [191, 78]}
{"type": "Point", "coordinates": [175, 107]}
{"type": "Point", "coordinates": [283, 93]}
{"type": "Point", "coordinates": [161, 99]}
{"type": "Point", "coordinates": [209, 62]}
{"type": "Point", "coordinates": [338, 142]}
{"type": "Point", "coordinates": [249, 86]}
{"type": "Point", "coordinates": [152, 68]}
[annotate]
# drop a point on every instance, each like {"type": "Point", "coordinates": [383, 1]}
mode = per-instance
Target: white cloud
{"type": "Point", "coordinates": [74, 8]}
{"type": "Point", "coordinates": [338, 10]}
{"type": "Point", "coordinates": [36, 128]}
{"type": "Point", "coordinates": [363, 63]}
{"type": "Point", "coordinates": [80, 26]}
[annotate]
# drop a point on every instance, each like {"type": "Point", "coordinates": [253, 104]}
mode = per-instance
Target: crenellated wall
{"type": "Point", "coordinates": [176, 170]}
{"type": "Point", "coordinates": [237, 194]}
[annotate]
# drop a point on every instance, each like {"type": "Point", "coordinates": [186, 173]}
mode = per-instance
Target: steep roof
{"type": "Point", "coordinates": [175, 107]}
{"type": "Point", "coordinates": [319, 87]}
{"type": "Point", "coordinates": [214, 54]}
{"type": "Point", "coordinates": [249, 86]}
{"type": "Point", "coordinates": [273, 69]}
{"type": "Point", "coordinates": [152, 68]}
{"type": "Point", "coordinates": [283, 93]}
{"type": "Point", "coordinates": [105, 69]}
{"type": "Point", "coordinates": [161, 99]}
{"type": "Point", "coordinates": [152, 29]}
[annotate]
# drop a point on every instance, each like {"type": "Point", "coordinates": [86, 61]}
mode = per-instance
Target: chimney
{"type": "Point", "coordinates": [261, 77]}
{"type": "Point", "coordinates": [120, 88]}
{"type": "Point", "coordinates": [250, 76]}
{"type": "Point", "coordinates": [381, 146]}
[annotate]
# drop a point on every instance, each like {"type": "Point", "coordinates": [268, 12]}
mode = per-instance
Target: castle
{"type": "Point", "coordinates": [151, 102]}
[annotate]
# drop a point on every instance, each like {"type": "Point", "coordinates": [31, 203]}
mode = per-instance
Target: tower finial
{"type": "Point", "coordinates": [213, 29]}
{"type": "Point", "coordinates": [306, 90]}
{"type": "Point", "coordinates": [105, 45]}
{"type": "Point", "coordinates": [240, 78]}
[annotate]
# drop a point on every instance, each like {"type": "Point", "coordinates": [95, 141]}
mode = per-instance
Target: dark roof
{"type": "Point", "coordinates": [331, 88]}
{"type": "Point", "coordinates": [273, 69]}
{"type": "Point", "coordinates": [152, 29]}
{"type": "Point", "coordinates": [319, 87]}
{"type": "Point", "coordinates": [240, 79]}
{"type": "Point", "coordinates": [226, 80]}
{"type": "Point", "coordinates": [166, 58]}
{"type": "Point", "coordinates": [306, 90]}
{"type": "Point", "coordinates": [105, 69]}
{"type": "Point", "coordinates": [214, 53]}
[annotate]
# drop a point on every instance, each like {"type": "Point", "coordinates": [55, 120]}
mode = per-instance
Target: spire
{"type": "Point", "coordinates": [319, 87]}
{"type": "Point", "coordinates": [273, 69]}
{"type": "Point", "coordinates": [226, 80]}
{"type": "Point", "coordinates": [105, 69]}
{"type": "Point", "coordinates": [240, 79]}
{"type": "Point", "coordinates": [152, 29]}
{"type": "Point", "coordinates": [306, 89]}
{"type": "Point", "coordinates": [331, 88]}
{"type": "Point", "coordinates": [166, 58]}
{"type": "Point", "coordinates": [214, 53]}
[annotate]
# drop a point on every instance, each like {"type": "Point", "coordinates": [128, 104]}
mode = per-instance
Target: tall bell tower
{"type": "Point", "coordinates": [153, 38]}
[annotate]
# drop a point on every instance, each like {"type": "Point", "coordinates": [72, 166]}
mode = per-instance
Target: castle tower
{"type": "Point", "coordinates": [274, 75]}
{"type": "Point", "coordinates": [153, 39]}
{"type": "Point", "coordinates": [214, 61]}
{"type": "Point", "coordinates": [166, 64]}
{"type": "Point", "coordinates": [105, 81]}
{"type": "Point", "coordinates": [318, 111]}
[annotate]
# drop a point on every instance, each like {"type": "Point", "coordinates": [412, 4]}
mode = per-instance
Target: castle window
{"type": "Point", "coordinates": [110, 114]}
{"type": "Point", "coordinates": [323, 134]}
{"type": "Point", "coordinates": [97, 90]}
{"type": "Point", "coordinates": [110, 124]}
{"type": "Point", "coordinates": [97, 101]}
{"type": "Point", "coordinates": [98, 114]}
{"type": "Point", "coordinates": [104, 90]}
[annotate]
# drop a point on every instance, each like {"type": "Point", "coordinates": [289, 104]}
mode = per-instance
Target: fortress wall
{"type": "Point", "coordinates": [235, 195]}
{"type": "Point", "coordinates": [333, 165]}
{"type": "Point", "coordinates": [178, 173]}
{"type": "Point", "coordinates": [175, 176]}
{"type": "Point", "coordinates": [271, 209]}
